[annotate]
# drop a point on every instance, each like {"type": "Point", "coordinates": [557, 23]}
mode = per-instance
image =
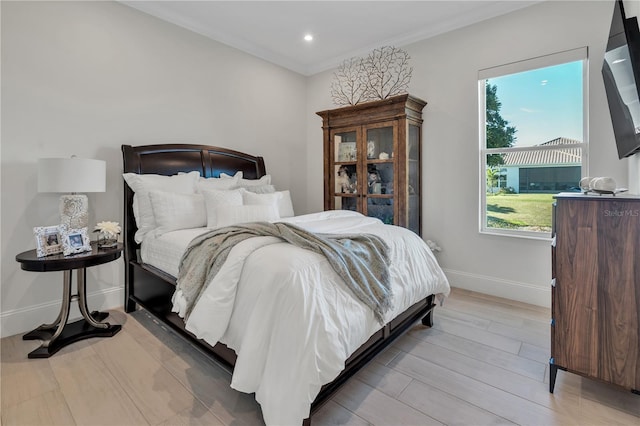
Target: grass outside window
{"type": "Point", "coordinates": [523, 212]}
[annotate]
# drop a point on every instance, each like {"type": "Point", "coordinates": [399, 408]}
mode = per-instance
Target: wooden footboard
{"type": "Point", "coordinates": [422, 310]}
{"type": "Point", "coordinates": [152, 290]}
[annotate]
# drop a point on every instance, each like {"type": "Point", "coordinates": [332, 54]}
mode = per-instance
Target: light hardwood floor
{"type": "Point", "coordinates": [483, 363]}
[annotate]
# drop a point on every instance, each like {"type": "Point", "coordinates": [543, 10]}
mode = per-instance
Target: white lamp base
{"type": "Point", "coordinates": [74, 211]}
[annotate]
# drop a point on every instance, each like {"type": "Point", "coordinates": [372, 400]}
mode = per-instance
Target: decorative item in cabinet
{"type": "Point", "coordinates": [346, 179]}
{"type": "Point", "coordinates": [347, 151]}
{"type": "Point", "coordinates": [372, 154]}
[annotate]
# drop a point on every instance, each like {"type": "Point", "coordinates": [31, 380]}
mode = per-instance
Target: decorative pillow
{"type": "Point", "coordinates": [208, 184]}
{"type": "Point", "coordinates": [142, 184]}
{"type": "Point", "coordinates": [215, 200]}
{"type": "Point", "coordinates": [285, 206]}
{"type": "Point", "coordinates": [261, 189]}
{"type": "Point", "coordinates": [238, 175]}
{"type": "Point", "coordinates": [177, 211]}
{"type": "Point", "coordinates": [249, 198]}
{"type": "Point", "coordinates": [243, 183]}
{"type": "Point", "coordinates": [234, 215]}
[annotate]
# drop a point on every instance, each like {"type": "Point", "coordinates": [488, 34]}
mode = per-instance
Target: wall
{"type": "Point", "coordinates": [84, 78]}
{"type": "Point", "coordinates": [445, 74]}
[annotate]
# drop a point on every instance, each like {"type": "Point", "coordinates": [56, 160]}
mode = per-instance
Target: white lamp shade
{"type": "Point", "coordinates": [71, 175]}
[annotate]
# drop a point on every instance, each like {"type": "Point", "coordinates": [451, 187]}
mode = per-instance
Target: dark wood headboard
{"type": "Point", "coordinates": [168, 160]}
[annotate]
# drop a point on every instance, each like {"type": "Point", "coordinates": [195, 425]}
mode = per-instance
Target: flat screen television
{"type": "Point", "coordinates": [621, 74]}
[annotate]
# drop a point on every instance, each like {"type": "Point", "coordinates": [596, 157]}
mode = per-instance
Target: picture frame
{"type": "Point", "coordinates": [48, 240]}
{"type": "Point", "coordinates": [75, 241]}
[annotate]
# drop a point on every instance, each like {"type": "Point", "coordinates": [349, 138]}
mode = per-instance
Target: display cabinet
{"type": "Point", "coordinates": [372, 159]}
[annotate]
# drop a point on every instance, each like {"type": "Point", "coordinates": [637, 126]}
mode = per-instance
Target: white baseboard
{"type": "Point", "coordinates": [22, 320]}
{"type": "Point", "coordinates": [513, 290]}
{"type": "Point", "coordinates": [18, 321]}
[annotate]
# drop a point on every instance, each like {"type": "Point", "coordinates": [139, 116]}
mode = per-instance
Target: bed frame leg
{"type": "Point", "coordinates": [306, 422]}
{"type": "Point", "coordinates": [129, 306]}
{"type": "Point", "coordinates": [427, 320]}
{"type": "Point", "coordinates": [129, 303]}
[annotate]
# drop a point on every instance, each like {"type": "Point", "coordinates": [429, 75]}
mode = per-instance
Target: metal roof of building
{"type": "Point", "coordinates": [548, 157]}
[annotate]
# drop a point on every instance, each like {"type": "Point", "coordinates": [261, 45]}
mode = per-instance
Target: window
{"type": "Point", "coordinates": [533, 140]}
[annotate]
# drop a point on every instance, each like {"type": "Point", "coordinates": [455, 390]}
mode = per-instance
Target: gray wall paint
{"type": "Point", "coordinates": [84, 78]}
{"type": "Point", "coordinates": [445, 75]}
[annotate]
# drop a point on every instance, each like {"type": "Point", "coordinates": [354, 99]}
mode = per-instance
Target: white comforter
{"type": "Point", "coordinates": [290, 318]}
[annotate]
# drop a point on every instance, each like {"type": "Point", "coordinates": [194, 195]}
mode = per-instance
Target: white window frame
{"type": "Point", "coordinates": [579, 54]}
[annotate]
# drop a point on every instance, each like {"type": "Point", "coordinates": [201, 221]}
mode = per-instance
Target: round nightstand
{"type": "Point", "coordinates": [59, 334]}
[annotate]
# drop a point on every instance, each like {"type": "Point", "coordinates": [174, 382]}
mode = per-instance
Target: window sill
{"type": "Point", "coordinates": [529, 235]}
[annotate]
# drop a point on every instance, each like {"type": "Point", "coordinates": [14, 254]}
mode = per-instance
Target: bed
{"type": "Point", "coordinates": [151, 284]}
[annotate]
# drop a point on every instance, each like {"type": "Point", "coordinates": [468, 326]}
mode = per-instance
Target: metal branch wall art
{"type": "Point", "coordinates": [388, 72]}
{"type": "Point", "coordinates": [383, 73]}
{"type": "Point", "coordinates": [349, 85]}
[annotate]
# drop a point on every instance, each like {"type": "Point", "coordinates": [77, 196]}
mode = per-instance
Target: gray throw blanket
{"type": "Point", "coordinates": [361, 260]}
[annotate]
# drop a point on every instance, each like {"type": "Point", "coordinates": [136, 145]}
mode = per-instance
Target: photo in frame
{"type": "Point", "coordinates": [48, 240]}
{"type": "Point", "coordinates": [75, 241]}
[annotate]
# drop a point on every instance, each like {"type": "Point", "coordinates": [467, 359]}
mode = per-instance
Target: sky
{"type": "Point", "coordinates": [543, 104]}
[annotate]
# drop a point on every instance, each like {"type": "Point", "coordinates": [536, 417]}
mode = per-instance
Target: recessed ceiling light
{"type": "Point", "coordinates": [308, 37]}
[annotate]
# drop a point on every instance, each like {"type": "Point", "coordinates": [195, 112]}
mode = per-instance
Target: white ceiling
{"type": "Point", "coordinates": [274, 30]}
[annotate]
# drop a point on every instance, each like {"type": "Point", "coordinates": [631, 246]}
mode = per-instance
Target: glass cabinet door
{"type": "Point", "coordinates": [380, 185]}
{"type": "Point", "coordinates": [345, 173]}
{"type": "Point", "coordinates": [413, 189]}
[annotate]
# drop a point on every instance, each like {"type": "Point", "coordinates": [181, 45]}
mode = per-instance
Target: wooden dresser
{"type": "Point", "coordinates": [596, 288]}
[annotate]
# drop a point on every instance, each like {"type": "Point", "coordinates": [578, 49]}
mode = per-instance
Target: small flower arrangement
{"type": "Point", "coordinates": [107, 233]}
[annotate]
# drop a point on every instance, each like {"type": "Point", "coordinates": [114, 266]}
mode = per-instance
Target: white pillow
{"type": "Point", "coordinates": [257, 195]}
{"type": "Point", "coordinates": [285, 206]}
{"type": "Point", "coordinates": [280, 199]}
{"type": "Point", "coordinates": [251, 198]}
{"type": "Point", "coordinates": [234, 215]}
{"type": "Point", "coordinates": [261, 189]}
{"type": "Point", "coordinates": [142, 184]}
{"type": "Point", "coordinates": [215, 200]}
{"type": "Point", "coordinates": [208, 184]}
{"type": "Point", "coordinates": [177, 211]}
{"type": "Point", "coordinates": [238, 175]}
{"type": "Point", "coordinates": [264, 180]}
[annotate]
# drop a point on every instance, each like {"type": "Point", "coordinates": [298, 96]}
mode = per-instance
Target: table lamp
{"type": "Point", "coordinates": [72, 175]}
